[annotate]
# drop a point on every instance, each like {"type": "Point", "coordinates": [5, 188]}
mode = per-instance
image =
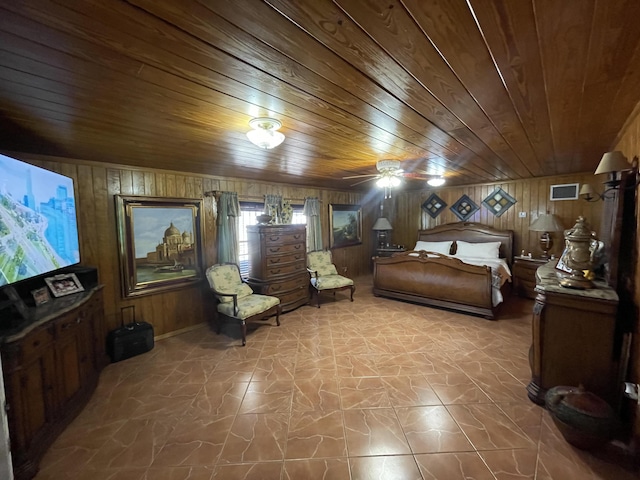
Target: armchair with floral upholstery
{"type": "Point", "coordinates": [325, 276]}
{"type": "Point", "coordinates": [236, 300]}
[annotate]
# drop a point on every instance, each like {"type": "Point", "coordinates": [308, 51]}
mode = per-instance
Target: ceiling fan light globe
{"type": "Point", "coordinates": [388, 181]}
{"type": "Point", "coordinates": [383, 182]}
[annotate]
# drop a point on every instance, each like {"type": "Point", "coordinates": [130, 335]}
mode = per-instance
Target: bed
{"type": "Point", "coordinates": [472, 275]}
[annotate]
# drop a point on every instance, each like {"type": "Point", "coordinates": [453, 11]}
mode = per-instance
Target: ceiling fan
{"type": "Point", "coordinates": [390, 175]}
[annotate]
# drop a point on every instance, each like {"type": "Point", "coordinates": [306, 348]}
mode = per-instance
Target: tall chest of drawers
{"type": "Point", "coordinates": [278, 263]}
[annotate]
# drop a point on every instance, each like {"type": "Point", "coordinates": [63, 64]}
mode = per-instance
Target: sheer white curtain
{"type": "Point", "coordinates": [314, 229]}
{"type": "Point", "coordinates": [228, 214]}
{"type": "Point", "coordinates": [273, 206]}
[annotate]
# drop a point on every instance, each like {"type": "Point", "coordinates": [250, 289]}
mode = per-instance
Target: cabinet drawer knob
{"type": "Point", "coordinates": [297, 247]}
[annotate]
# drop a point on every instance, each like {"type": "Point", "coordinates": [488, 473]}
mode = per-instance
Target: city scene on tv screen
{"type": "Point", "coordinates": [38, 225]}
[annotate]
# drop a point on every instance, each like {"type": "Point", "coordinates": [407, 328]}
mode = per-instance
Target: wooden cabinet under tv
{"type": "Point", "coordinates": [51, 367]}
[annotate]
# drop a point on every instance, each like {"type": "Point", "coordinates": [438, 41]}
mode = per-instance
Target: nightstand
{"type": "Point", "coordinates": [388, 251]}
{"type": "Point", "coordinates": [524, 275]}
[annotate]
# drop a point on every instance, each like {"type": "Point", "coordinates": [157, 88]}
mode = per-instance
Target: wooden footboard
{"type": "Point", "coordinates": [440, 281]}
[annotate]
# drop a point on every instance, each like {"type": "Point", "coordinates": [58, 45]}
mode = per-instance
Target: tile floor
{"type": "Point", "coordinates": [374, 389]}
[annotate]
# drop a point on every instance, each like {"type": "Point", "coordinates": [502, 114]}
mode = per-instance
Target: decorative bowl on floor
{"type": "Point", "coordinates": [264, 219]}
{"type": "Point", "coordinates": [584, 419]}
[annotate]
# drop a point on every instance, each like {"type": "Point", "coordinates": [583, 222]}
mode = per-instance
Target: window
{"type": "Point", "coordinates": [248, 213]}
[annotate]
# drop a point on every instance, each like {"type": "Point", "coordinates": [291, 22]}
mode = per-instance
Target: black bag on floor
{"type": "Point", "coordinates": [129, 340]}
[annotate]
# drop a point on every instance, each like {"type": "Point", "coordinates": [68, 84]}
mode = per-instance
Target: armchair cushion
{"type": "Point", "coordinates": [321, 262]}
{"type": "Point", "coordinates": [226, 279]}
{"type": "Point", "coordinates": [249, 305]}
{"type": "Point", "coordinates": [328, 282]}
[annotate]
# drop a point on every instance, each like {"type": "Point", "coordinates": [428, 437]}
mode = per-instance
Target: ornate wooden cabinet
{"type": "Point", "coordinates": [51, 368]}
{"type": "Point", "coordinates": [574, 339]}
{"type": "Point", "coordinates": [278, 256]}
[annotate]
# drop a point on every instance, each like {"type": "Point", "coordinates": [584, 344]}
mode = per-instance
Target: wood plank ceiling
{"type": "Point", "coordinates": [477, 90]}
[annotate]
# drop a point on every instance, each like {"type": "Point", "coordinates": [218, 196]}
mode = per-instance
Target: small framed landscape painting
{"type": "Point", "coordinates": [345, 225]}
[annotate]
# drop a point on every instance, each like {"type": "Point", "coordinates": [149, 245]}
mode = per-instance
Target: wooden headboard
{"type": "Point", "coordinates": [472, 233]}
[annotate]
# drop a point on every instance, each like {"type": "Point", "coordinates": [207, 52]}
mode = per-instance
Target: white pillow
{"type": "Point", "coordinates": [438, 247]}
{"type": "Point", "coordinates": [478, 250]}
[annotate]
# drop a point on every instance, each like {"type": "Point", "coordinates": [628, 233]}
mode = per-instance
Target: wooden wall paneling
{"type": "Point", "coordinates": [160, 185]}
{"type": "Point", "coordinates": [126, 182]}
{"type": "Point", "coordinates": [105, 233]}
{"type": "Point", "coordinates": [170, 184]}
{"type": "Point", "coordinates": [86, 213]}
{"type": "Point", "coordinates": [149, 184]}
{"type": "Point", "coordinates": [137, 183]}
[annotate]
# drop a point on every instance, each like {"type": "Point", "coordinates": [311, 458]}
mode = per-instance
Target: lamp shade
{"type": "Point", "coordinates": [587, 189]}
{"type": "Point", "coordinates": [382, 224]}
{"type": "Point", "coordinates": [546, 223]}
{"type": "Point", "coordinates": [613, 162]}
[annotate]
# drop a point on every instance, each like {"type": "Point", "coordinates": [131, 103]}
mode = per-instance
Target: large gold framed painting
{"type": "Point", "coordinates": [160, 243]}
{"type": "Point", "coordinates": [345, 225]}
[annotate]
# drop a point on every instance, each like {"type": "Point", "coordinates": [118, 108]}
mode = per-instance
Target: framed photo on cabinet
{"type": "Point", "coordinates": [65, 284]}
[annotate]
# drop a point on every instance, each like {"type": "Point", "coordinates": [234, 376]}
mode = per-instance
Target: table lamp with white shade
{"type": "Point", "coordinates": [546, 223]}
{"type": "Point", "coordinates": [382, 227]}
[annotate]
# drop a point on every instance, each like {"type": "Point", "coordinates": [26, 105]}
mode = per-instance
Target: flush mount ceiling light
{"type": "Point", "coordinates": [264, 134]}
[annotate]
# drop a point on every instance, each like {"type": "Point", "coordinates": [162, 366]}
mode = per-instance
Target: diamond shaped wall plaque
{"type": "Point", "coordinates": [434, 205]}
{"type": "Point", "coordinates": [499, 202]}
{"type": "Point", "coordinates": [464, 208]}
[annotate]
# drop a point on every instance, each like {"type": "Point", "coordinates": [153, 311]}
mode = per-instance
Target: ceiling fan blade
{"type": "Point", "coordinates": [362, 181]}
{"type": "Point", "coordinates": [417, 176]}
{"type": "Point", "coordinates": [361, 176]}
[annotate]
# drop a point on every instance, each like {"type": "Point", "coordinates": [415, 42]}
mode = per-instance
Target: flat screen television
{"type": "Point", "coordinates": [38, 221]}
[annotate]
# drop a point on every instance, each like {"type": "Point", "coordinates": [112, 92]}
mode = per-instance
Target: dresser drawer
{"type": "Point", "coordinates": [285, 248]}
{"type": "Point", "coordinates": [286, 269]}
{"type": "Point", "coordinates": [280, 239]}
{"type": "Point", "coordinates": [299, 296]}
{"type": "Point", "coordinates": [283, 286]}
{"type": "Point", "coordinates": [278, 260]}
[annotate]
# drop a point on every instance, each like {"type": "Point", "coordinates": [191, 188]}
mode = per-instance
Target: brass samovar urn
{"type": "Point", "coordinates": [577, 260]}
